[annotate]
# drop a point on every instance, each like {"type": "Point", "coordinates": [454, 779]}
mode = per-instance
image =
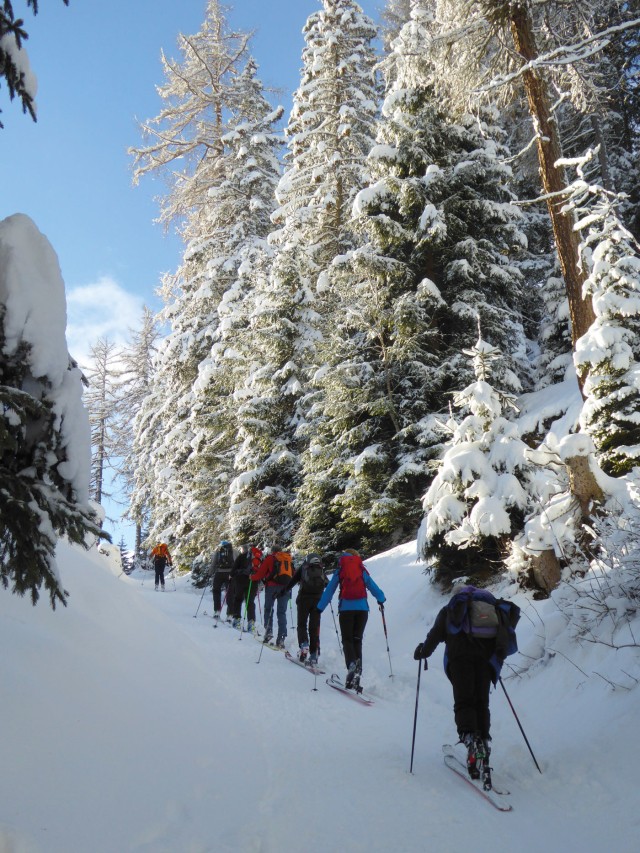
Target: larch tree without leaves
{"type": "Point", "coordinates": [200, 97]}
{"type": "Point", "coordinates": [102, 403]}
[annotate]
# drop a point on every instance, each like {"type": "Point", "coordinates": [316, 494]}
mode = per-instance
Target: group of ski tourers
{"type": "Point", "coordinates": [477, 629]}
{"type": "Point", "coordinates": [243, 574]}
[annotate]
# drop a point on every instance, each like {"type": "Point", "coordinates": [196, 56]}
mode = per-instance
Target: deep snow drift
{"type": "Point", "coordinates": [130, 725]}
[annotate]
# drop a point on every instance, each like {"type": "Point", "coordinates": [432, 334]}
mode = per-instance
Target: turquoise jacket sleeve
{"type": "Point", "coordinates": [373, 588]}
{"type": "Point", "coordinates": [331, 587]}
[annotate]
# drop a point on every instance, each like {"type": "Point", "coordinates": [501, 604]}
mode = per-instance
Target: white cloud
{"type": "Point", "coordinates": [103, 309]}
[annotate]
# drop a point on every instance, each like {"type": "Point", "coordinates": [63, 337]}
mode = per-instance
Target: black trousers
{"type": "Point", "coordinates": [352, 625]}
{"type": "Point", "coordinates": [470, 678]}
{"type": "Point", "coordinates": [240, 589]}
{"type": "Point", "coordinates": [309, 621]}
{"type": "Point", "coordinates": [159, 565]}
{"type": "Point", "coordinates": [220, 582]}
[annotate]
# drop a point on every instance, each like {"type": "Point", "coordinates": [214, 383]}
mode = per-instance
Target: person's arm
{"type": "Point", "coordinates": [437, 635]}
{"type": "Point", "coordinates": [329, 590]}
{"type": "Point", "coordinates": [373, 587]}
{"type": "Point", "coordinates": [264, 569]}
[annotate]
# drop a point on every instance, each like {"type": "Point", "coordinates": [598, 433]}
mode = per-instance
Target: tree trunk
{"type": "Point", "coordinates": [553, 177]}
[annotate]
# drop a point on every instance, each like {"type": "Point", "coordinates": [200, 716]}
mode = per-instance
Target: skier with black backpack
{"type": "Point", "coordinates": [478, 631]}
{"type": "Point", "coordinates": [244, 591]}
{"type": "Point", "coordinates": [312, 579]}
{"type": "Point", "coordinates": [221, 566]}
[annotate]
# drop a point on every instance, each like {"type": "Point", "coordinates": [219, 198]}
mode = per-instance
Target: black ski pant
{"type": "Point", "coordinates": [220, 582]}
{"type": "Point", "coordinates": [471, 677]}
{"type": "Point", "coordinates": [159, 566]}
{"type": "Point", "coordinates": [240, 590]}
{"type": "Point", "coordinates": [309, 621]}
{"type": "Point", "coordinates": [352, 625]}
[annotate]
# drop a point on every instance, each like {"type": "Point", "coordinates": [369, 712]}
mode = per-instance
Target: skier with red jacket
{"type": "Point", "coordinates": [353, 608]}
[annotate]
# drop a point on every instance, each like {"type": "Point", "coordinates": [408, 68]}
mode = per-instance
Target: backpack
{"type": "Point", "coordinates": [224, 562]}
{"type": "Point", "coordinates": [479, 614]}
{"type": "Point", "coordinates": [282, 571]}
{"type": "Point", "coordinates": [245, 565]}
{"type": "Point", "coordinates": [351, 577]}
{"type": "Point", "coordinates": [160, 551]}
{"type": "Point", "coordinates": [312, 576]}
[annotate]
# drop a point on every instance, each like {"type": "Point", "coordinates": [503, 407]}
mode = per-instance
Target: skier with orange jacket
{"type": "Point", "coordinates": [161, 557]}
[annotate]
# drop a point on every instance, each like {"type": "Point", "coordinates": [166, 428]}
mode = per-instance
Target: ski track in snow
{"type": "Point", "coordinates": [128, 725]}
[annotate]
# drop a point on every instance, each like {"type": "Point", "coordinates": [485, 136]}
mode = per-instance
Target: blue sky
{"type": "Point", "coordinates": [98, 65]}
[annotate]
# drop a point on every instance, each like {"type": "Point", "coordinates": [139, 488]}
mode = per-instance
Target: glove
{"type": "Point", "coordinates": [419, 653]}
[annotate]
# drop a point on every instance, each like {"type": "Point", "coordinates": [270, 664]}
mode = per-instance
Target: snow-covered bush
{"type": "Point", "coordinates": [44, 429]}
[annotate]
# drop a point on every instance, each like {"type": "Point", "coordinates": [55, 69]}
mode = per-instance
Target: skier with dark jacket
{"type": "Point", "coordinates": [244, 591]}
{"type": "Point", "coordinates": [474, 654]}
{"type": "Point", "coordinates": [312, 579]}
{"type": "Point", "coordinates": [221, 566]}
{"type": "Point", "coordinates": [353, 608]}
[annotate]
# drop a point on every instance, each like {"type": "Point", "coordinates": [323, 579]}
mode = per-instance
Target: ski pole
{"type": "Point", "coordinates": [201, 597]}
{"type": "Point", "coordinates": [336, 627]}
{"type": "Point", "coordinates": [519, 725]}
{"type": "Point", "coordinates": [415, 715]}
{"type": "Point", "coordinates": [386, 636]}
{"type": "Point", "coordinates": [293, 625]}
{"type": "Point", "coordinates": [246, 610]}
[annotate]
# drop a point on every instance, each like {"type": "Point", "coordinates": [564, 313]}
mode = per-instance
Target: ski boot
{"type": "Point", "coordinates": [302, 654]}
{"type": "Point", "coordinates": [469, 740]}
{"type": "Point", "coordinates": [351, 674]}
{"type": "Point", "coordinates": [313, 659]}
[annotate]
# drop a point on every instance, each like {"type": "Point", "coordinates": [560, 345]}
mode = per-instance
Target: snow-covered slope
{"type": "Point", "coordinates": [130, 725]}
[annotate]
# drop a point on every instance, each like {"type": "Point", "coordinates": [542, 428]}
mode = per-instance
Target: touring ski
{"type": "Point", "coordinates": [360, 696]}
{"type": "Point", "coordinates": [309, 667]}
{"type": "Point", "coordinates": [493, 795]}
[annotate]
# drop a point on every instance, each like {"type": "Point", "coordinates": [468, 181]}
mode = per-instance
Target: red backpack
{"type": "Point", "coordinates": [351, 577]}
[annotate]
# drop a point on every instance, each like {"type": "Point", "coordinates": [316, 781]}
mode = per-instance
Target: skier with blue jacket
{"type": "Point", "coordinates": [353, 608]}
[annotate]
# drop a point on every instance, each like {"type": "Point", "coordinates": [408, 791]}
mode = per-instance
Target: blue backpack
{"type": "Point", "coordinates": [481, 615]}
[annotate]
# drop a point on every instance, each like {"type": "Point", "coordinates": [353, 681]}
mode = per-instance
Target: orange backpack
{"type": "Point", "coordinates": [282, 568]}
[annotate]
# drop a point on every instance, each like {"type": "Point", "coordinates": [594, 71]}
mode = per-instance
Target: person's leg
{"type": "Point", "coordinates": [217, 592]}
{"type": "Point", "coordinates": [314, 630]}
{"type": "Point", "coordinates": [484, 673]}
{"type": "Point", "coordinates": [156, 566]}
{"type": "Point", "coordinates": [360, 621]}
{"type": "Point", "coordinates": [303, 611]}
{"type": "Point", "coordinates": [251, 602]}
{"type": "Point", "coordinates": [269, 598]}
{"type": "Point", "coordinates": [162, 576]}
{"type": "Point", "coordinates": [346, 618]}
{"type": "Point", "coordinates": [462, 674]}
{"type": "Point", "coordinates": [283, 601]}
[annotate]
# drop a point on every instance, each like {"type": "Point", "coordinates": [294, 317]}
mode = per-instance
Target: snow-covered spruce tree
{"type": "Point", "coordinates": [101, 399]}
{"type": "Point", "coordinates": [14, 61]}
{"type": "Point", "coordinates": [441, 233]}
{"type": "Point", "coordinates": [200, 98]}
{"type": "Point", "coordinates": [609, 352]}
{"type": "Point", "coordinates": [330, 131]}
{"type": "Point", "coordinates": [44, 429]}
{"type": "Point", "coordinates": [479, 497]}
